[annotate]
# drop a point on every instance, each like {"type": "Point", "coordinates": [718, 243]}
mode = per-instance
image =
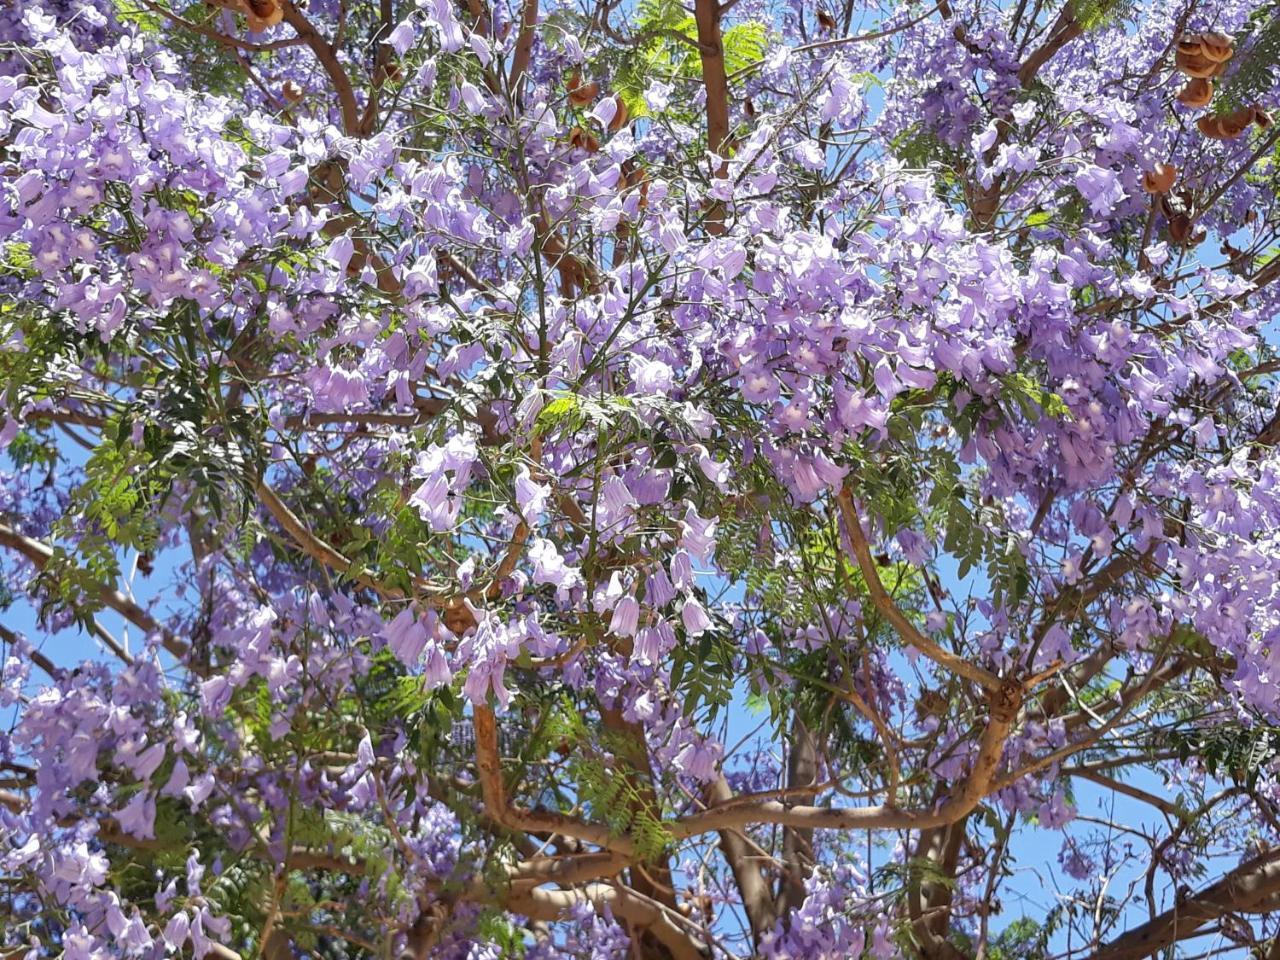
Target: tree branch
{"type": "Point", "coordinates": [706, 14]}
{"type": "Point", "coordinates": [889, 610]}
{"type": "Point", "coordinates": [493, 789]}
{"type": "Point", "coordinates": [1244, 889]}
{"type": "Point", "coordinates": [40, 554]}
{"type": "Point", "coordinates": [328, 57]}
{"type": "Point", "coordinates": [744, 811]}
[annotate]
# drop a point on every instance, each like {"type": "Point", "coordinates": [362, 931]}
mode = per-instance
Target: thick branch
{"type": "Point", "coordinates": [668, 927]}
{"type": "Point", "coordinates": [889, 610]}
{"type": "Point", "coordinates": [494, 791]}
{"type": "Point", "coordinates": [1064, 31]}
{"type": "Point", "coordinates": [797, 844]}
{"type": "Point", "coordinates": [1245, 889]}
{"type": "Point", "coordinates": [744, 811]}
{"type": "Point", "coordinates": [756, 900]}
{"type": "Point", "coordinates": [328, 57]}
{"type": "Point", "coordinates": [524, 44]}
{"type": "Point", "coordinates": [706, 14]}
{"type": "Point", "coordinates": [316, 548]}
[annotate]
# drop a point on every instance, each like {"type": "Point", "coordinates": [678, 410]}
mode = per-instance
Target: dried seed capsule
{"type": "Point", "coordinates": [1197, 93]}
{"type": "Point", "coordinates": [620, 115]}
{"type": "Point", "coordinates": [1160, 179]}
{"type": "Point", "coordinates": [1190, 45]}
{"type": "Point", "coordinates": [1183, 231]}
{"type": "Point", "coordinates": [1217, 46]}
{"type": "Point", "coordinates": [264, 14]}
{"type": "Point", "coordinates": [1229, 126]}
{"type": "Point", "coordinates": [1196, 64]}
{"type": "Point", "coordinates": [581, 94]}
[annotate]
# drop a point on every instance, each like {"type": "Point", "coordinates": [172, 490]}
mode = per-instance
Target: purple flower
{"type": "Point", "coordinates": [401, 38]}
{"type": "Point", "coordinates": [695, 619]}
{"type": "Point", "coordinates": [406, 636]}
{"type": "Point", "coordinates": [1101, 188]}
{"type": "Point", "coordinates": [651, 376]}
{"type": "Point", "coordinates": [137, 818]}
{"type": "Point", "coordinates": [531, 497]}
{"type": "Point", "coordinates": [625, 617]}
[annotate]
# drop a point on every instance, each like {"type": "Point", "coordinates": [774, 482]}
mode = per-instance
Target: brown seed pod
{"type": "Point", "coordinates": [581, 94]}
{"type": "Point", "coordinates": [1183, 231]}
{"type": "Point", "coordinates": [1196, 64]}
{"type": "Point", "coordinates": [1261, 117]}
{"type": "Point", "coordinates": [1190, 45]}
{"type": "Point", "coordinates": [291, 92]}
{"type": "Point", "coordinates": [620, 116]}
{"type": "Point", "coordinates": [1217, 46]}
{"type": "Point", "coordinates": [749, 107]}
{"type": "Point", "coordinates": [1160, 179]}
{"type": "Point", "coordinates": [583, 140]}
{"type": "Point", "coordinates": [1228, 126]}
{"type": "Point", "coordinates": [1197, 93]}
{"type": "Point", "coordinates": [1212, 128]}
{"type": "Point", "coordinates": [264, 14]}
{"type": "Point", "coordinates": [826, 21]}
{"type": "Point", "coordinates": [458, 618]}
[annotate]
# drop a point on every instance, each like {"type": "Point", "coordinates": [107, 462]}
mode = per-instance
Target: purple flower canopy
{"type": "Point", "coordinates": [647, 481]}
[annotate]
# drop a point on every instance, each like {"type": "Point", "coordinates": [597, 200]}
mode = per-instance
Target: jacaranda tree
{"type": "Point", "coordinates": [656, 480]}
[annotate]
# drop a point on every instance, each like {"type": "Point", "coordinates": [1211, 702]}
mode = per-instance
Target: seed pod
{"type": "Point", "coordinates": [581, 94]}
{"type": "Point", "coordinates": [1196, 64]}
{"type": "Point", "coordinates": [1175, 204]}
{"type": "Point", "coordinates": [291, 92]}
{"type": "Point", "coordinates": [826, 21]}
{"type": "Point", "coordinates": [1229, 126]}
{"type": "Point", "coordinates": [583, 140]}
{"type": "Point", "coordinates": [264, 14]}
{"type": "Point", "coordinates": [1190, 45]}
{"type": "Point", "coordinates": [1197, 93]}
{"type": "Point", "coordinates": [1160, 179]}
{"type": "Point", "coordinates": [749, 107]}
{"type": "Point", "coordinates": [620, 115]}
{"type": "Point", "coordinates": [1184, 232]}
{"type": "Point", "coordinates": [1261, 117]}
{"type": "Point", "coordinates": [1217, 46]}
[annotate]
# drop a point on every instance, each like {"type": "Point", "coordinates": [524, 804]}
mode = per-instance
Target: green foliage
{"type": "Point", "coordinates": [1255, 62]}
{"type": "Point", "coordinates": [1095, 14]}
{"type": "Point", "coordinates": [496, 930]}
{"type": "Point", "coordinates": [601, 787]}
{"type": "Point", "coordinates": [1229, 750]}
{"type": "Point", "coordinates": [570, 412]}
{"type": "Point", "coordinates": [210, 62]}
{"type": "Point", "coordinates": [1022, 939]}
{"type": "Point", "coordinates": [661, 54]}
{"type": "Point", "coordinates": [703, 672]}
{"type": "Point", "coordinates": [1031, 399]}
{"type": "Point", "coordinates": [16, 261]}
